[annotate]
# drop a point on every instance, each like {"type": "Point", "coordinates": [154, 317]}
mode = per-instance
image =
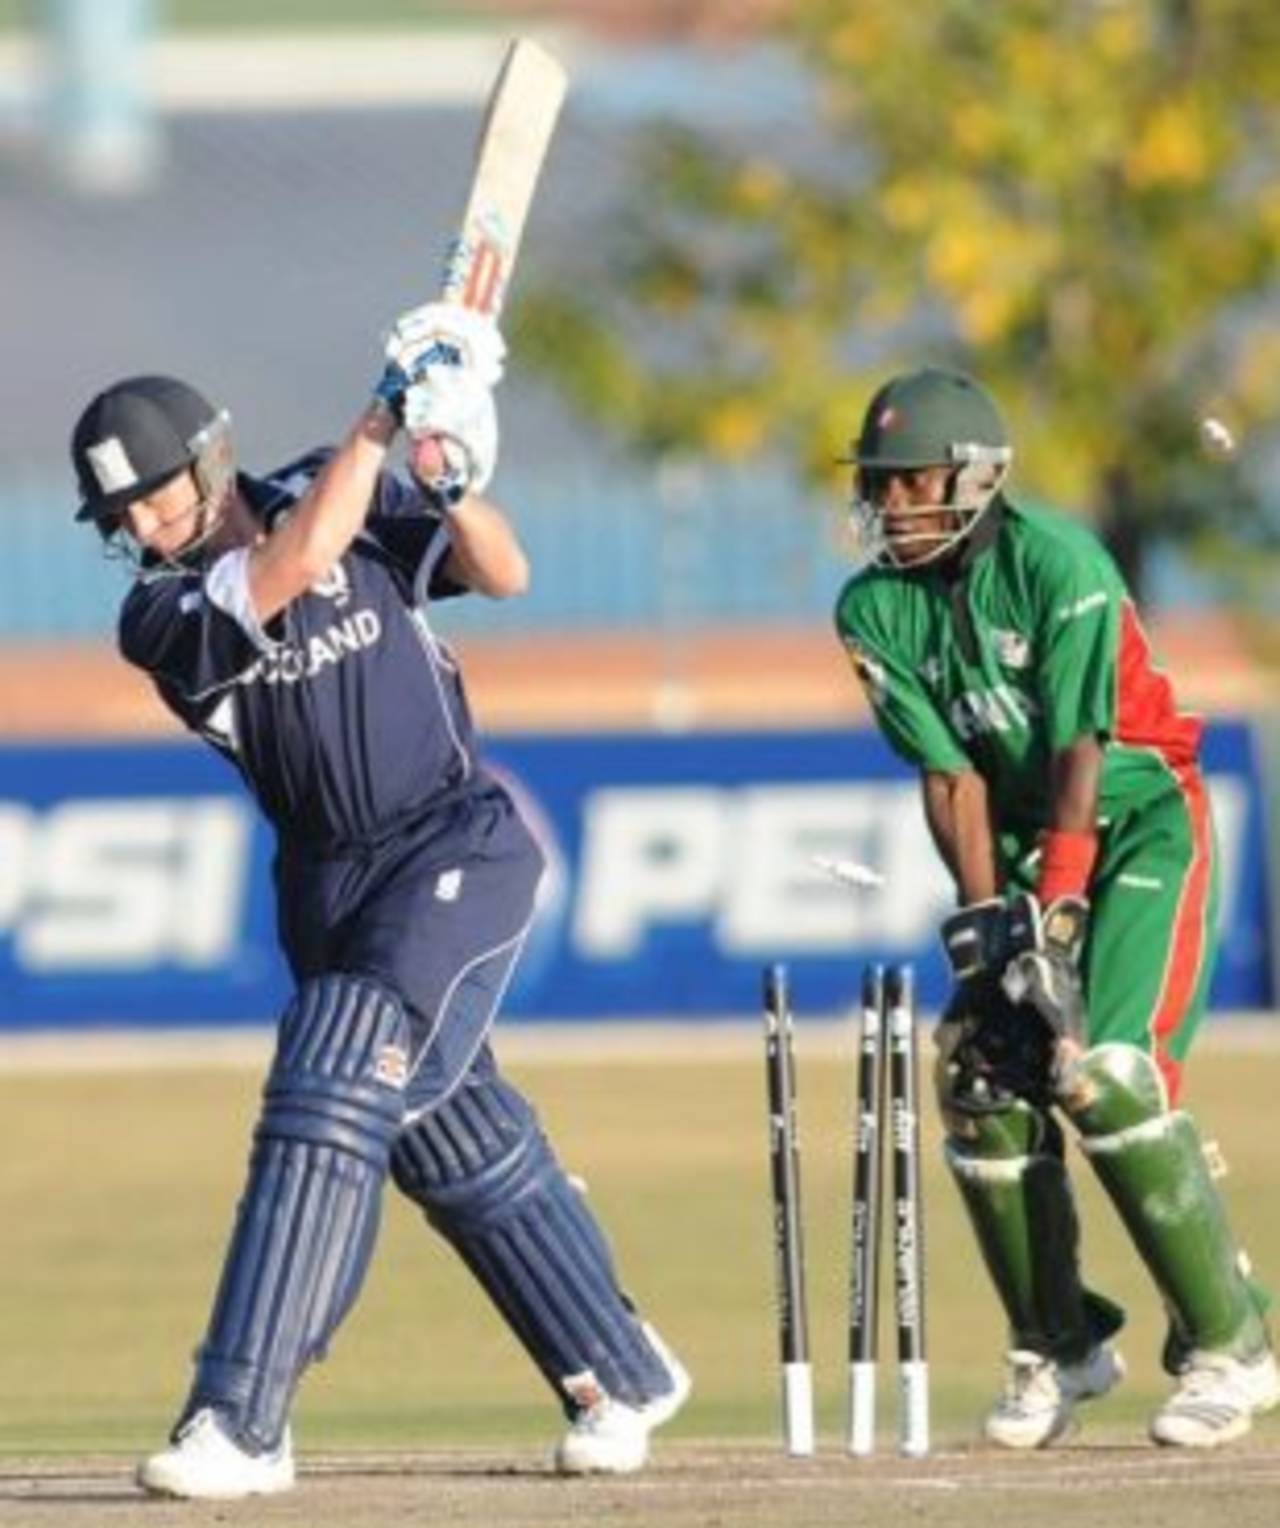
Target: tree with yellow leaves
{"type": "Point", "coordinates": [1077, 200]}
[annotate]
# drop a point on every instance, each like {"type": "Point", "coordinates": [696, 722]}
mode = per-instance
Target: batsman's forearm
{"type": "Point", "coordinates": [326, 520]}
{"type": "Point", "coordinates": [331, 514]}
{"type": "Point", "coordinates": [486, 554]}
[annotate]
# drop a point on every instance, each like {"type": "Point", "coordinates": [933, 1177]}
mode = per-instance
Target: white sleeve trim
{"type": "Point", "coordinates": [227, 586]}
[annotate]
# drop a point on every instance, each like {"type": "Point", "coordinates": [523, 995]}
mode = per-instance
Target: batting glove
{"type": "Point", "coordinates": [455, 408]}
{"type": "Point", "coordinates": [445, 334]}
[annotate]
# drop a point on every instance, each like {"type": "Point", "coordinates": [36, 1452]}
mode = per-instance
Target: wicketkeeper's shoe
{"type": "Point", "coordinates": [611, 1438]}
{"type": "Point", "coordinates": [1216, 1400]}
{"type": "Point", "coordinates": [204, 1463]}
{"type": "Point", "coordinates": [1040, 1396]}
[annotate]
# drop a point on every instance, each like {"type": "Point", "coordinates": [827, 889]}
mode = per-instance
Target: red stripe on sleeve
{"type": "Point", "coordinates": [1147, 714]}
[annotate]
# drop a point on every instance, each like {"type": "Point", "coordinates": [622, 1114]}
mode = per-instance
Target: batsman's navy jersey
{"type": "Point", "coordinates": [346, 715]}
{"type": "Point", "coordinates": [399, 855]}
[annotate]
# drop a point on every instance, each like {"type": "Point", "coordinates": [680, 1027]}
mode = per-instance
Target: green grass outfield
{"type": "Point", "coordinates": [118, 1184]}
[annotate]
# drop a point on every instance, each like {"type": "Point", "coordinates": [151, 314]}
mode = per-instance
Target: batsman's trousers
{"type": "Point", "coordinates": [438, 913]}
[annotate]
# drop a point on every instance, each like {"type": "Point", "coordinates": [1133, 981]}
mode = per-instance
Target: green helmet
{"type": "Point", "coordinates": [927, 418]}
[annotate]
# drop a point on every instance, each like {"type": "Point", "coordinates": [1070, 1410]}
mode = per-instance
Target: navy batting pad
{"type": "Point", "coordinates": [487, 1180]}
{"type": "Point", "coordinates": [309, 1215]}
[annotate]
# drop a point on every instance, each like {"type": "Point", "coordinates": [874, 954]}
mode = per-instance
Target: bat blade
{"type": "Point", "coordinates": [520, 119]}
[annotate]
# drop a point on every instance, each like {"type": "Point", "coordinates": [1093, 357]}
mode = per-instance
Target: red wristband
{"type": "Point", "coordinates": [1066, 863]}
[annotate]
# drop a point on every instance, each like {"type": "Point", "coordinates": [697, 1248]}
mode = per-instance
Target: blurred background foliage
{"type": "Point", "coordinates": [1078, 200]}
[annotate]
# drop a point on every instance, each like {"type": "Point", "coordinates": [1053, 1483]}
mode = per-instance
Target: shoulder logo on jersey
{"type": "Point", "coordinates": [869, 670]}
{"type": "Point", "coordinates": [1082, 606]}
{"type": "Point", "coordinates": [931, 671]}
{"type": "Point", "coordinates": [1012, 648]}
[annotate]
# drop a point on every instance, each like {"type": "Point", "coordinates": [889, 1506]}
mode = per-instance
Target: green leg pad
{"type": "Point", "coordinates": [1024, 1217]}
{"type": "Point", "coordinates": [1156, 1176]}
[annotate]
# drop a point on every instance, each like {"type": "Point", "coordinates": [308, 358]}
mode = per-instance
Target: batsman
{"type": "Point", "coordinates": [1003, 657]}
{"type": "Point", "coordinates": [288, 620]}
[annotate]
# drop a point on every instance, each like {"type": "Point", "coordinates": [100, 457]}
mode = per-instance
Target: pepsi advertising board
{"type": "Point", "coordinates": [135, 878]}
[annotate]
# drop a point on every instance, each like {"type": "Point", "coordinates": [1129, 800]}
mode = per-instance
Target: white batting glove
{"type": "Point", "coordinates": [446, 334]}
{"type": "Point", "coordinates": [452, 405]}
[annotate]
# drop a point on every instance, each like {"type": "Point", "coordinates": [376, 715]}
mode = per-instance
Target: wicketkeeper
{"type": "Point", "coordinates": [286, 620]}
{"type": "Point", "coordinates": [1003, 656]}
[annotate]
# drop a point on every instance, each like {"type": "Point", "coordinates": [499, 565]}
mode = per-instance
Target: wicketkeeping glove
{"type": "Point", "coordinates": [988, 1054]}
{"type": "Point", "coordinates": [1044, 968]}
{"type": "Point", "coordinates": [974, 938]}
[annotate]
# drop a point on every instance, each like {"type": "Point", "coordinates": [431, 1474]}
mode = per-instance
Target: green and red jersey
{"type": "Point", "coordinates": [1032, 643]}
{"type": "Point", "coordinates": [1028, 642]}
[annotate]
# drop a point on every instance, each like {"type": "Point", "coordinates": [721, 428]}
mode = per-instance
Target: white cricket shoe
{"type": "Point", "coordinates": [203, 1463]}
{"type": "Point", "coordinates": [1040, 1396]}
{"type": "Point", "coordinates": [1216, 1399]}
{"type": "Point", "coordinates": [612, 1438]}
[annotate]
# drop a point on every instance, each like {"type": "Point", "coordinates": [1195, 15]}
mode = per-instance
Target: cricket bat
{"type": "Point", "coordinates": [521, 116]}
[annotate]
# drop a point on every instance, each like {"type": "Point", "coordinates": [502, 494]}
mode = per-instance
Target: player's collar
{"type": "Point", "coordinates": [979, 540]}
{"type": "Point", "coordinates": [260, 494]}
{"type": "Point", "coordinates": [984, 533]}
